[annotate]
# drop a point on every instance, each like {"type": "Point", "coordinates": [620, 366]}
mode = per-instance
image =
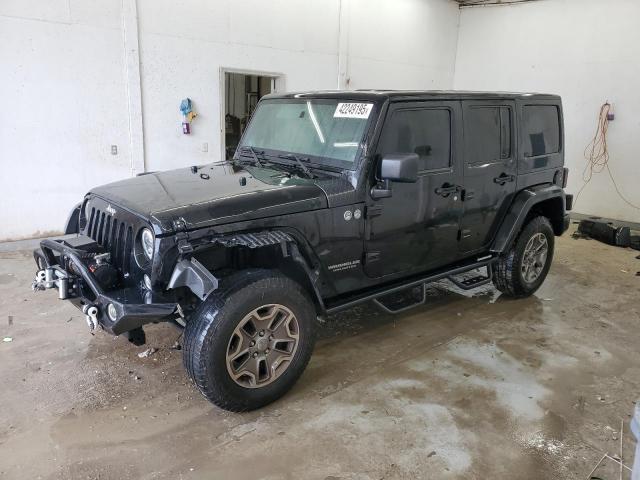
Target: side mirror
{"type": "Point", "coordinates": [396, 167]}
{"type": "Point", "coordinates": [400, 167]}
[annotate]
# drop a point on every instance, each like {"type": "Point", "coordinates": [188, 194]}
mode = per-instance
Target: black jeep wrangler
{"type": "Point", "coordinates": [332, 199]}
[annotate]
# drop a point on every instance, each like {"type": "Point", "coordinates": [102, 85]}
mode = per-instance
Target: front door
{"type": "Point", "coordinates": [489, 171]}
{"type": "Point", "coordinates": [416, 228]}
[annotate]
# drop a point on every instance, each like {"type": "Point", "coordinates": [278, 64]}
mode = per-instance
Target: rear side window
{"type": "Point", "coordinates": [541, 130]}
{"type": "Point", "coordinates": [425, 131]}
{"type": "Point", "coordinates": [488, 133]}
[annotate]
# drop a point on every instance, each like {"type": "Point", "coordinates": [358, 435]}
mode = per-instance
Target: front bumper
{"type": "Point", "coordinates": [133, 306]}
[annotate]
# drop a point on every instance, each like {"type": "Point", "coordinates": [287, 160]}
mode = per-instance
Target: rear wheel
{"type": "Point", "coordinates": [521, 270]}
{"type": "Point", "coordinates": [247, 345]}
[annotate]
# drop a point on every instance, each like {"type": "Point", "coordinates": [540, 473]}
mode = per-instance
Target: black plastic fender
{"type": "Point", "coordinates": [520, 208]}
{"type": "Point", "coordinates": [73, 221]}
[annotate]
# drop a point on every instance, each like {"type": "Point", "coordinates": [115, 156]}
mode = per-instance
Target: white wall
{"type": "Point", "coordinates": [401, 44]}
{"type": "Point", "coordinates": [62, 104]}
{"type": "Point", "coordinates": [63, 87]}
{"type": "Point", "coordinates": [588, 51]}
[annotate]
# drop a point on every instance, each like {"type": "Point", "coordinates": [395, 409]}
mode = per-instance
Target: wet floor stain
{"type": "Point", "coordinates": [466, 386]}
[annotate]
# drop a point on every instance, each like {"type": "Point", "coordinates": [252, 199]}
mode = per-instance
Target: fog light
{"type": "Point", "coordinates": [112, 312]}
{"type": "Point", "coordinates": [147, 282]}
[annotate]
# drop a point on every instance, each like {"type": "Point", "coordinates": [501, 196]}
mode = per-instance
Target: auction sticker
{"type": "Point", "coordinates": [353, 110]}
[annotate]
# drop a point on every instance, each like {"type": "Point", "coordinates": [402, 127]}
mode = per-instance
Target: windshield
{"type": "Point", "coordinates": [320, 130]}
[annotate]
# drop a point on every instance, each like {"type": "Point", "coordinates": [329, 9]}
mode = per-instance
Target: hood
{"type": "Point", "coordinates": [214, 195]}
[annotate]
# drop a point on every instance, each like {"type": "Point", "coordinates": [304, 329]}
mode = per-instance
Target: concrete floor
{"type": "Point", "coordinates": [472, 388]}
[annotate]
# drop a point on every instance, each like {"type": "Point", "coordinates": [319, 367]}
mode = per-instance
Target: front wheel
{"type": "Point", "coordinates": [520, 271]}
{"type": "Point", "coordinates": [246, 346]}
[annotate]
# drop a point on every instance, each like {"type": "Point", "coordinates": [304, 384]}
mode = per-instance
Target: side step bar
{"type": "Point", "coordinates": [409, 306]}
{"type": "Point", "coordinates": [473, 282]}
{"type": "Point", "coordinates": [466, 284]}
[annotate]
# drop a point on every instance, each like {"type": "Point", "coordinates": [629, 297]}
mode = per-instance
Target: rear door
{"type": "Point", "coordinates": [416, 228]}
{"type": "Point", "coordinates": [489, 170]}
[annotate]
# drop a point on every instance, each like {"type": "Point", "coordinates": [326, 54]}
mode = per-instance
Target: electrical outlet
{"type": "Point", "coordinates": [114, 149]}
{"type": "Point", "coordinates": [205, 147]}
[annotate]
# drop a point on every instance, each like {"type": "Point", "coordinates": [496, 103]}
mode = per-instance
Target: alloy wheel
{"type": "Point", "coordinates": [534, 257]}
{"type": "Point", "coordinates": [262, 346]}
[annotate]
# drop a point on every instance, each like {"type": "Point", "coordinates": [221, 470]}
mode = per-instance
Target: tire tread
{"type": "Point", "coordinates": [204, 325]}
{"type": "Point", "coordinates": [506, 277]}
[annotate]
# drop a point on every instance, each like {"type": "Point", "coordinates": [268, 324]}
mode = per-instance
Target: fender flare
{"type": "Point", "coordinates": [73, 220]}
{"type": "Point", "coordinates": [520, 208]}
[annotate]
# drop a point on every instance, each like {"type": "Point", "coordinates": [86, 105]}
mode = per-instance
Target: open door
{"type": "Point", "coordinates": [241, 94]}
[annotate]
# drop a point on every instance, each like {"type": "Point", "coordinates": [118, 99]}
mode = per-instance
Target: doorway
{"type": "Point", "coordinates": [242, 90]}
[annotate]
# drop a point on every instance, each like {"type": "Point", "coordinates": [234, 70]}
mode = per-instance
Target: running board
{"type": "Point", "coordinates": [473, 282]}
{"type": "Point", "coordinates": [409, 306]}
{"type": "Point", "coordinates": [343, 304]}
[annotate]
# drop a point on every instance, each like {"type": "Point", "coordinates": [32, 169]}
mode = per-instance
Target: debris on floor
{"type": "Point", "coordinates": [147, 353]}
{"type": "Point", "coordinates": [176, 346]}
{"type": "Point", "coordinates": [527, 369]}
{"type": "Point", "coordinates": [10, 319]}
{"type": "Point", "coordinates": [607, 232]}
{"type": "Point", "coordinates": [7, 339]}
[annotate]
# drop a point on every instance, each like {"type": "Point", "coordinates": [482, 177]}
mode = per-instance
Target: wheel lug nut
{"type": "Point", "coordinates": [267, 351]}
{"type": "Point", "coordinates": [252, 344]}
{"type": "Point", "coordinates": [262, 333]}
{"type": "Point", "coordinates": [255, 354]}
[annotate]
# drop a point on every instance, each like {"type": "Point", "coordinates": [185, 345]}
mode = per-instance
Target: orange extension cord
{"type": "Point", "coordinates": [597, 155]}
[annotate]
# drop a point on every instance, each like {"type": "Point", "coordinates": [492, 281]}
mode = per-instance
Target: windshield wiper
{"type": "Point", "coordinates": [298, 160]}
{"type": "Point", "coordinates": [253, 154]}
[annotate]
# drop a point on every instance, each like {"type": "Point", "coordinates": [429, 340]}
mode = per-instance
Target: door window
{"type": "Point", "coordinates": [542, 130]}
{"type": "Point", "coordinates": [488, 130]}
{"type": "Point", "coordinates": [425, 131]}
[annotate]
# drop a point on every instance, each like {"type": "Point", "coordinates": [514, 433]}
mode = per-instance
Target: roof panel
{"type": "Point", "coordinates": [381, 95]}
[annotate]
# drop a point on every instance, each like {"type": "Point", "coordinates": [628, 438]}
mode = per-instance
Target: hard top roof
{"type": "Point", "coordinates": [382, 95]}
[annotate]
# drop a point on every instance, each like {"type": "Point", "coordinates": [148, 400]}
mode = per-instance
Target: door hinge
{"type": "Point", "coordinates": [373, 211]}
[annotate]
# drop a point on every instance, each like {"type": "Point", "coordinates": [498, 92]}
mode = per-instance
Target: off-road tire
{"type": "Point", "coordinates": [209, 329]}
{"type": "Point", "coordinates": [507, 275]}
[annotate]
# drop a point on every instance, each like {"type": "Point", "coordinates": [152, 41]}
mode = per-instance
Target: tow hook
{"type": "Point", "coordinates": [39, 281]}
{"type": "Point", "coordinates": [91, 315]}
{"type": "Point", "coordinates": [51, 278]}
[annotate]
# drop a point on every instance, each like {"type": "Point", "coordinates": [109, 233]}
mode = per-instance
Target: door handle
{"type": "Point", "coordinates": [504, 178]}
{"type": "Point", "coordinates": [446, 189]}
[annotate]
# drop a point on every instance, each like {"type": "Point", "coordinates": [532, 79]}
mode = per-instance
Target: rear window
{"type": "Point", "coordinates": [541, 130]}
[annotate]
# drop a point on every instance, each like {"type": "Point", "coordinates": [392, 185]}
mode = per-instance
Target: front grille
{"type": "Point", "coordinates": [114, 235]}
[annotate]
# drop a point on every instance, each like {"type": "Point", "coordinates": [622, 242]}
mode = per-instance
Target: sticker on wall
{"type": "Point", "coordinates": [353, 110]}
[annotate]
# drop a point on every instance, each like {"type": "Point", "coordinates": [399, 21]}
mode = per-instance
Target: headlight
{"type": "Point", "coordinates": [146, 239]}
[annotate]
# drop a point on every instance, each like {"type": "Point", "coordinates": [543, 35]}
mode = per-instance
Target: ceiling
{"type": "Point", "coordinates": [471, 3]}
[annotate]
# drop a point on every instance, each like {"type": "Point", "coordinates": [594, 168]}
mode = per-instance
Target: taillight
{"type": "Point", "coordinates": [565, 177]}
